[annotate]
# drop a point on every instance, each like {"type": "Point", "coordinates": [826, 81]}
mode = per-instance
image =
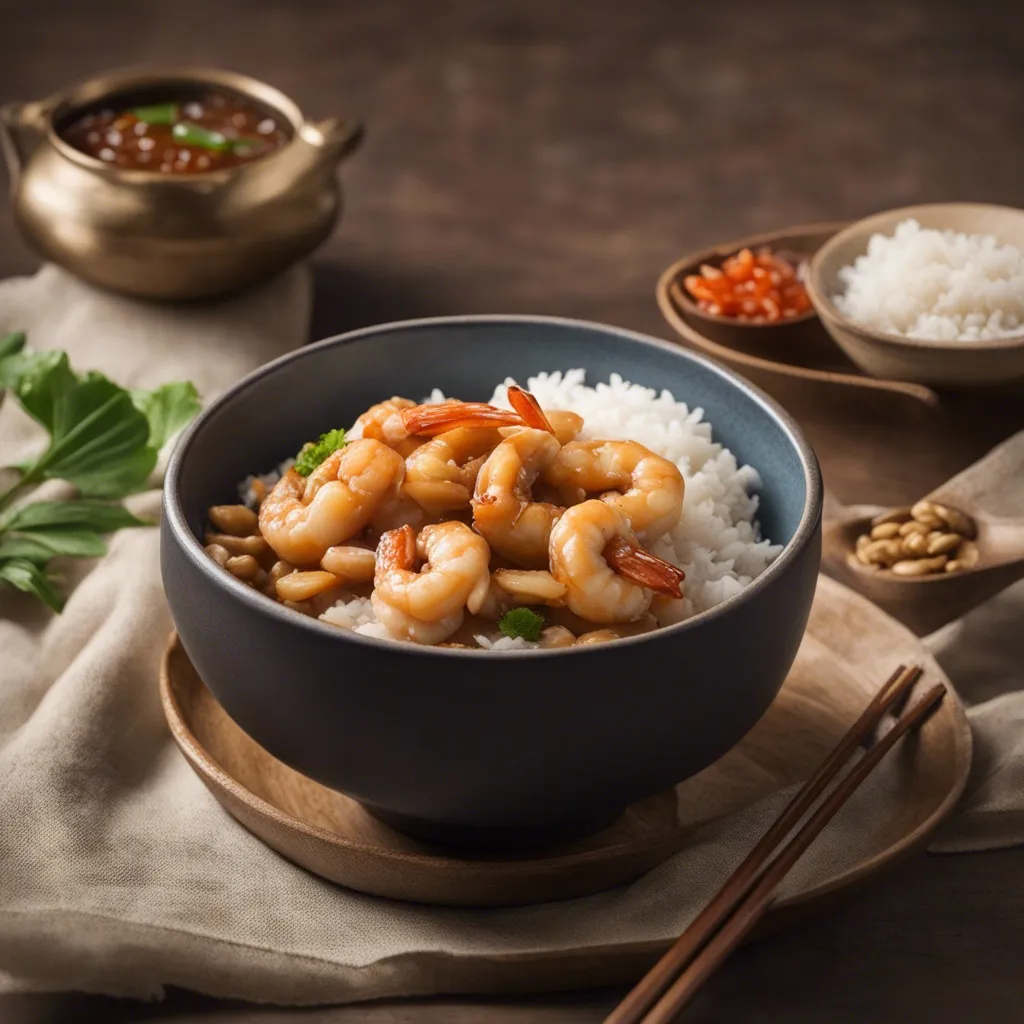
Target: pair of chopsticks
{"type": "Point", "coordinates": [744, 898]}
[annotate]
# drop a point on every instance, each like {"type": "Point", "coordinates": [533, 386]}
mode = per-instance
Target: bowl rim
{"type": "Point", "coordinates": [885, 221]}
{"type": "Point", "coordinates": [173, 513]}
{"type": "Point", "coordinates": [93, 88]}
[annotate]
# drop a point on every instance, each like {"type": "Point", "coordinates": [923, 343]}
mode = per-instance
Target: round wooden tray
{"type": "Point", "coordinates": [850, 647]}
{"type": "Point", "coordinates": [880, 442]}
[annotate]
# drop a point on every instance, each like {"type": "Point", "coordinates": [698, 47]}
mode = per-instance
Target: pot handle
{"type": "Point", "coordinates": [18, 120]}
{"type": "Point", "coordinates": [338, 139]}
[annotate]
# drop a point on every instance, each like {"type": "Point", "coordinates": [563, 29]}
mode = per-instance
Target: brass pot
{"type": "Point", "coordinates": [169, 236]}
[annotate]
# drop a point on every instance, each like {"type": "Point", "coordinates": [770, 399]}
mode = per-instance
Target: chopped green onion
{"type": "Point", "coordinates": [158, 113]}
{"type": "Point", "coordinates": [313, 453]}
{"type": "Point", "coordinates": [192, 134]}
{"type": "Point", "coordinates": [522, 622]}
{"type": "Point", "coordinates": [247, 146]}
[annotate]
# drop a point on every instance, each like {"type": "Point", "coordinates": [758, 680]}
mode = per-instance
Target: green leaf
{"type": "Point", "coordinates": [15, 546]}
{"type": "Point", "coordinates": [314, 452]}
{"type": "Point", "coordinates": [167, 409]}
{"type": "Point", "coordinates": [11, 344]}
{"type": "Point", "coordinates": [116, 480]}
{"type": "Point", "coordinates": [31, 579]}
{"type": "Point", "coordinates": [70, 541]}
{"type": "Point", "coordinates": [40, 380]}
{"type": "Point", "coordinates": [522, 622]}
{"type": "Point", "coordinates": [98, 441]}
{"type": "Point", "coordinates": [95, 515]}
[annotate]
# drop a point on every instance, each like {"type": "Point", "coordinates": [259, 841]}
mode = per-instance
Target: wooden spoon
{"type": "Point", "coordinates": [991, 492]}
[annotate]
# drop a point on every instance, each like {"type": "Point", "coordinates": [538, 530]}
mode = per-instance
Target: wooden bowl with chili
{"type": "Point", "coordinates": [178, 183]}
{"type": "Point", "coordinates": [749, 295]}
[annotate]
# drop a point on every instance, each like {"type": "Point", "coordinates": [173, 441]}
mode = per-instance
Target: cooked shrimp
{"type": "Point", "coordinates": [647, 488]}
{"type": "Point", "coordinates": [529, 409]}
{"type": "Point", "coordinates": [383, 422]}
{"type": "Point", "coordinates": [640, 566]}
{"type": "Point", "coordinates": [565, 425]}
{"type": "Point", "coordinates": [300, 519]}
{"type": "Point", "coordinates": [427, 606]}
{"type": "Point", "coordinates": [594, 589]}
{"type": "Point", "coordinates": [432, 419]}
{"type": "Point", "coordinates": [400, 511]}
{"type": "Point", "coordinates": [504, 511]}
{"type": "Point", "coordinates": [441, 474]}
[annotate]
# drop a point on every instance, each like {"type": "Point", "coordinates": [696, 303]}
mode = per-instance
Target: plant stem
{"type": "Point", "coordinates": [12, 492]}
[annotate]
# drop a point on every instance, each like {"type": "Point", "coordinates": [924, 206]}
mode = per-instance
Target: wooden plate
{"type": "Point", "coordinates": [850, 647]}
{"type": "Point", "coordinates": [880, 442]}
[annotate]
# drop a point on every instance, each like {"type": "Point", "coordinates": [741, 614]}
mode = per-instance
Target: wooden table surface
{"type": "Point", "coordinates": [553, 158]}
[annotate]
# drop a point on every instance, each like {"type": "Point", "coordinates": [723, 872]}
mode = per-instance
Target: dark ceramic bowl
{"type": "Point", "coordinates": [471, 746]}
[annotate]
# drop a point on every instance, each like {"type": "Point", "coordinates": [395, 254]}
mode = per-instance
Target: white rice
{"type": "Point", "coordinates": [350, 613]}
{"type": "Point", "coordinates": [247, 490]}
{"type": "Point", "coordinates": [504, 643]}
{"type": "Point", "coordinates": [717, 541]}
{"type": "Point", "coordinates": [936, 285]}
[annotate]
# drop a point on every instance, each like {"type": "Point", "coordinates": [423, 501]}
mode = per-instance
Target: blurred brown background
{"type": "Point", "coordinates": [554, 157]}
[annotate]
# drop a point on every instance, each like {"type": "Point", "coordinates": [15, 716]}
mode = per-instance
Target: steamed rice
{"type": "Point", "coordinates": [253, 487]}
{"type": "Point", "coordinates": [717, 540]}
{"type": "Point", "coordinates": [936, 285]}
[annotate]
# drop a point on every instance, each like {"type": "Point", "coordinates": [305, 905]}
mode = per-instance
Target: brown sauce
{"type": "Point", "coordinates": [207, 132]}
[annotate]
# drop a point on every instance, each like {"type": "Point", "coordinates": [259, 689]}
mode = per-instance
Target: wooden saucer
{"type": "Point", "coordinates": [850, 648]}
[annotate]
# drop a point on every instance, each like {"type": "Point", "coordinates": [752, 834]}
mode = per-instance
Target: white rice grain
{"type": "Point", "coordinates": [936, 285]}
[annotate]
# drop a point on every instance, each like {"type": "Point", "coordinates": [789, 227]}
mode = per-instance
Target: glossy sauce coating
{"type": "Point", "coordinates": [208, 132]}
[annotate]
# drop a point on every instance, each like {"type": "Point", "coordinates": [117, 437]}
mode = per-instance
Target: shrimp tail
{"type": "Point", "coordinates": [642, 567]}
{"type": "Point", "coordinates": [430, 420]}
{"type": "Point", "coordinates": [529, 409]}
{"type": "Point", "coordinates": [397, 549]}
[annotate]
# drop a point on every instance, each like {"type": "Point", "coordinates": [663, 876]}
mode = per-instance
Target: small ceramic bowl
{"type": "Point", "coordinates": [474, 746]}
{"type": "Point", "coordinates": [949, 364]}
{"type": "Point", "coordinates": [782, 339]}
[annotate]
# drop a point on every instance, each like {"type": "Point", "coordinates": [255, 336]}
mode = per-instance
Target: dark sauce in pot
{"type": "Point", "coordinates": [207, 131]}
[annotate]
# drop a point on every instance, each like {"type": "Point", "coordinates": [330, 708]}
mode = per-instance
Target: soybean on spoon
{"type": "Point", "coordinates": [991, 493]}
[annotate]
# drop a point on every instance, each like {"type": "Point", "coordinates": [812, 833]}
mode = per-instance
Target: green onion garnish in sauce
{"type": "Point", "coordinates": [158, 113]}
{"type": "Point", "coordinates": [192, 134]}
{"type": "Point", "coordinates": [248, 146]}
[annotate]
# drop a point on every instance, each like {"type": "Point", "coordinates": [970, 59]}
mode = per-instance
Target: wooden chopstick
{"type": "Point", "coordinates": [753, 908]}
{"type": "Point", "coordinates": [740, 885]}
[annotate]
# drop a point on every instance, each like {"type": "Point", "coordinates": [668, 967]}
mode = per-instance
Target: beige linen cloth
{"type": "Point", "coordinates": [119, 873]}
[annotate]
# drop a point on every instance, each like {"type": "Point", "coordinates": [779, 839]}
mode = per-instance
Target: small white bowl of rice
{"type": "Point", "coordinates": [931, 294]}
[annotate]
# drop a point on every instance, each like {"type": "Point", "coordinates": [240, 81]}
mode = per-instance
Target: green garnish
{"type": "Point", "coordinates": [157, 113]}
{"type": "Point", "coordinates": [192, 134]}
{"type": "Point", "coordinates": [313, 453]}
{"type": "Point", "coordinates": [522, 622]}
{"type": "Point", "coordinates": [246, 146]}
{"type": "Point", "coordinates": [103, 439]}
